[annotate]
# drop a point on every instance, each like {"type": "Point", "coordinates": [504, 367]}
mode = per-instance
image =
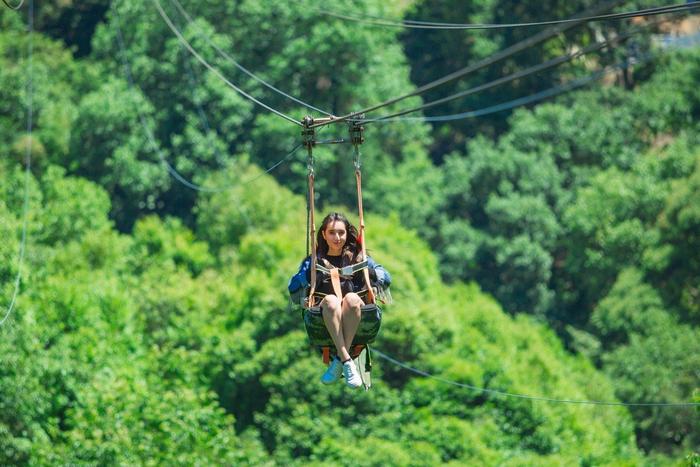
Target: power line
{"type": "Point", "coordinates": [200, 110]}
{"type": "Point", "coordinates": [529, 397]}
{"type": "Point", "coordinates": [223, 53]}
{"type": "Point", "coordinates": [417, 24]}
{"type": "Point", "coordinates": [539, 96]}
{"type": "Point", "coordinates": [189, 47]}
{"type": "Point", "coordinates": [506, 79]}
{"type": "Point", "coordinates": [498, 56]}
{"type": "Point", "coordinates": [207, 129]}
{"type": "Point", "coordinates": [16, 7]}
{"type": "Point", "coordinates": [151, 138]}
{"type": "Point", "coordinates": [527, 43]}
{"type": "Point", "coordinates": [27, 160]}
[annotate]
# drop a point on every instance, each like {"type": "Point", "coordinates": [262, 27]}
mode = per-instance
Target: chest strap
{"type": "Point", "coordinates": [335, 280]}
{"type": "Point", "coordinates": [344, 271]}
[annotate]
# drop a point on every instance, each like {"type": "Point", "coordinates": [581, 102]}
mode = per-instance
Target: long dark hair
{"type": "Point", "coordinates": [351, 249]}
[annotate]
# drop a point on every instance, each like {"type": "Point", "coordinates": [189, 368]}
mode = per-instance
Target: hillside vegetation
{"type": "Point", "coordinates": [550, 251]}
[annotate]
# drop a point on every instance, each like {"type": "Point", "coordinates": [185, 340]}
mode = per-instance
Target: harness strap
{"type": "Point", "coordinates": [346, 270]}
{"type": "Point", "coordinates": [308, 134]}
{"type": "Point", "coordinates": [335, 280]}
{"type": "Point", "coordinates": [358, 178]}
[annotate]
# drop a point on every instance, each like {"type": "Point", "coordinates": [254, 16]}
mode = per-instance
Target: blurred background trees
{"type": "Point", "coordinates": [559, 241]}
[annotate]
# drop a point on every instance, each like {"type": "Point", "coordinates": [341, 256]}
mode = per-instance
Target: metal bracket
{"type": "Point", "coordinates": [308, 133]}
{"type": "Point", "coordinates": [357, 136]}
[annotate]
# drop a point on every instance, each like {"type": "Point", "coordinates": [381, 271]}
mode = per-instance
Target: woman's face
{"type": "Point", "coordinates": [335, 235]}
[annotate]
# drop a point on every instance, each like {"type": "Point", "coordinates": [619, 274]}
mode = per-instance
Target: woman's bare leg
{"type": "Point", "coordinates": [331, 309]}
{"type": "Point", "coordinates": [351, 315]}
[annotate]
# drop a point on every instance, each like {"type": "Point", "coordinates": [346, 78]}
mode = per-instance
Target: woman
{"type": "Point", "coordinates": [338, 246]}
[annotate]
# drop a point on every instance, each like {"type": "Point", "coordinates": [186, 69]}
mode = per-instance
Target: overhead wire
{"type": "Point", "coordinates": [200, 110]}
{"type": "Point", "coordinates": [480, 64]}
{"type": "Point", "coordinates": [536, 97]}
{"type": "Point", "coordinates": [189, 47]}
{"type": "Point", "coordinates": [515, 395]}
{"type": "Point", "coordinates": [151, 137]}
{"type": "Point", "coordinates": [27, 162]}
{"type": "Point", "coordinates": [205, 124]}
{"type": "Point", "coordinates": [13, 7]}
{"type": "Point", "coordinates": [235, 63]}
{"type": "Point", "coordinates": [494, 58]}
{"type": "Point", "coordinates": [506, 79]}
{"type": "Point", "coordinates": [418, 24]}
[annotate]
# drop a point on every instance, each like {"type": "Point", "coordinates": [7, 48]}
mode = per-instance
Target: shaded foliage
{"type": "Point", "coordinates": [152, 324]}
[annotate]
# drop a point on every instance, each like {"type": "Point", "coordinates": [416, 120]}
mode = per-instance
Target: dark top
{"type": "Point", "coordinates": [336, 261]}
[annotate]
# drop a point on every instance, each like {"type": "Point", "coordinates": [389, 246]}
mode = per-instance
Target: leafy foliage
{"type": "Point", "coordinates": [152, 324]}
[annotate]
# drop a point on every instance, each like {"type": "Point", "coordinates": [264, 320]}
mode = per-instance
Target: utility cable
{"type": "Point", "coordinates": [417, 24]}
{"type": "Point", "coordinates": [151, 138]}
{"type": "Point", "coordinates": [506, 79]}
{"type": "Point", "coordinates": [532, 98]}
{"type": "Point", "coordinates": [517, 75]}
{"type": "Point", "coordinates": [16, 7]}
{"type": "Point", "coordinates": [207, 129]}
{"type": "Point", "coordinates": [189, 47]}
{"type": "Point", "coordinates": [27, 161]}
{"type": "Point", "coordinates": [526, 396]}
{"type": "Point", "coordinates": [200, 110]}
{"type": "Point", "coordinates": [223, 53]}
{"type": "Point", "coordinates": [498, 56]}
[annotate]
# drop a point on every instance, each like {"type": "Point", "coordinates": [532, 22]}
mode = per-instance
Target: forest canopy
{"type": "Point", "coordinates": [548, 250]}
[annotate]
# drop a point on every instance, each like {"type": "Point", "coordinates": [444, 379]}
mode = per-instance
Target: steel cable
{"type": "Point", "coordinates": [151, 137]}
{"type": "Point", "coordinates": [27, 162]}
{"type": "Point", "coordinates": [223, 53]}
{"type": "Point", "coordinates": [496, 392]}
{"type": "Point", "coordinates": [498, 56]}
{"type": "Point", "coordinates": [16, 7]}
{"type": "Point", "coordinates": [189, 47]}
{"type": "Point", "coordinates": [417, 24]}
{"type": "Point", "coordinates": [539, 96]}
{"type": "Point", "coordinates": [506, 79]}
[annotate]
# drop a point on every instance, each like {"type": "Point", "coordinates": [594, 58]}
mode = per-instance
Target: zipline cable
{"type": "Point", "coordinates": [539, 96]}
{"type": "Point", "coordinates": [224, 54]}
{"type": "Point", "coordinates": [27, 161]}
{"type": "Point", "coordinates": [16, 7]}
{"type": "Point", "coordinates": [520, 74]}
{"type": "Point", "coordinates": [200, 110]}
{"type": "Point", "coordinates": [151, 138]}
{"type": "Point", "coordinates": [526, 396]}
{"type": "Point", "coordinates": [498, 56]}
{"type": "Point", "coordinates": [417, 24]}
{"type": "Point", "coordinates": [189, 47]}
{"type": "Point", "coordinates": [205, 124]}
{"type": "Point", "coordinates": [506, 79]}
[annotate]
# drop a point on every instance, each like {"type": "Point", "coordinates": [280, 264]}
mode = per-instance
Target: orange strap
{"type": "Point", "coordinates": [370, 292]}
{"type": "Point", "coordinates": [335, 280]}
{"type": "Point", "coordinates": [312, 237]}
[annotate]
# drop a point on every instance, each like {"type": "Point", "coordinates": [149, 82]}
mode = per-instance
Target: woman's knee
{"type": "Point", "coordinates": [330, 302]}
{"type": "Point", "coordinates": [352, 300]}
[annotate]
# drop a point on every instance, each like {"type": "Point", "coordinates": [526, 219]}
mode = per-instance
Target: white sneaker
{"type": "Point", "coordinates": [352, 376]}
{"type": "Point", "coordinates": [332, 374]}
